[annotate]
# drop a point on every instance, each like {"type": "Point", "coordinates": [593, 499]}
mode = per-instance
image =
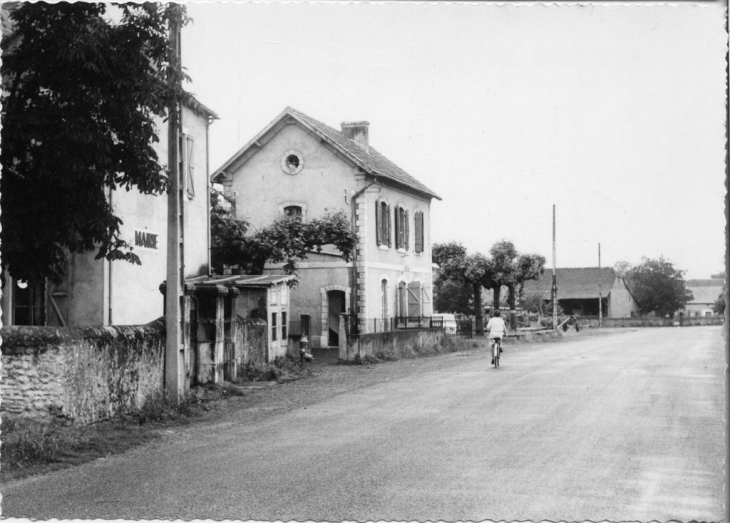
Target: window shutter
{"type": "Point", "coordinates": [190, 167]}
{"type": "Point", "coordinates": [418, 219]}
{"type": "Point", "coordinates": [378, 224]}
{"type": "Point", "coordinates": [390, 228]}
{"type": "Point", "coordinates": [414, 299]}
{"type": "Point", "coordinates": [406, 231]}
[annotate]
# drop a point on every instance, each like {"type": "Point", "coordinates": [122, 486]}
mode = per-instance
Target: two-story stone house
{"type": "Point", "coordinates": [299, 166]}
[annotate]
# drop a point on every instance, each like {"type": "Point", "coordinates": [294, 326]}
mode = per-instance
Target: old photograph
{"type": "Point", "coordinates": [363, 261]}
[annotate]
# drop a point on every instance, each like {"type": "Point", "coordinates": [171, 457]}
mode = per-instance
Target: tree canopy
{"type": "Point", "coordinates": [512, 269]}
{"type": "Point", "coordinates": [658, 286]}
{"type": "Point", "coordinates": [462, 270]}
{"type": "Point", "coordinates": [81, 97]}
{"type": "Point", "coordinates": [287, 240]}
{"type": "Point", "coordinates": [506, 266]}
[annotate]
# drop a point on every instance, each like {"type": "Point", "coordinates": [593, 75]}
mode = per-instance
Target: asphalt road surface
{"type": "Point", "coordinates": [621, 426]}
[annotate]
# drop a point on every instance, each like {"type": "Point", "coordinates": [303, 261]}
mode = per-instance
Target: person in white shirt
{"type": "Point", "coordinates": [496, 329]}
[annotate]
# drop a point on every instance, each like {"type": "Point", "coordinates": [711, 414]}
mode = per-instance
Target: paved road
{"type": "Point", "coordinates": [624, 426]}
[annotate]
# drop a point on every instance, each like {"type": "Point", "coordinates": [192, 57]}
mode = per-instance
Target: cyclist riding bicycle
{"type": "Point", "coordinates": [497, 329]}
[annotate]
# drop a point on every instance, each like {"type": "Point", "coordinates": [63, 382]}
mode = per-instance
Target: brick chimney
{"type": "Point", "coordinates": [357, 131]}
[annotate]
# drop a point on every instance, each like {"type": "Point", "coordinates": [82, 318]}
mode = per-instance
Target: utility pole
{"type": "Point", "coordinates": [174, 283]}
{"type": "Point", "coordinates": [600, 289]}
{"type": "Point", "coordinates": [555, 281]}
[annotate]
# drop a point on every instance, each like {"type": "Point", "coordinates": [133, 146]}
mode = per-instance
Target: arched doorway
{"type": "Point", "coordinates": [336, 305]}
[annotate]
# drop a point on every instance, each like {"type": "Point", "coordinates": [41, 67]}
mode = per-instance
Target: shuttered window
{"type": "Point", "coordinates": [418, 222]}
{"type": "Point", "coordinates": [190, 166]}
{"type": "Point", "coordinates": [382, 223]}
{"type": "Point", "coordinates": [414, 299]}
{"type": "Point", "coordinates": [401, 228]}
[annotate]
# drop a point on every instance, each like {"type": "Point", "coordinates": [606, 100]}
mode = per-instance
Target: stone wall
{"type": "Point", "coordinates": [83, 374]}
{"type": "Point", "coordinates": [592, 322]}
{"type": "Point", "coordinates": [392, 345]}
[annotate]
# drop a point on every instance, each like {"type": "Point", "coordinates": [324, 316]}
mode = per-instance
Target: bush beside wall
{"type": "Point", "coordinates": [83, 374]}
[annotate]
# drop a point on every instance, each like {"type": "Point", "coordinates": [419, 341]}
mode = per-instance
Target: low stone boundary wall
{"type": "Point", "coordinates": [651, 322]}
{"type": "Point", "coordinates": [391, 345]}
{"type": "Point", "coordinates": [83, 374]}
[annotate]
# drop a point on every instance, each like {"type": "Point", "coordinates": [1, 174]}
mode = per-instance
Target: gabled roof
{"type": "Point", "coordinates": [704, 291]}
{"type": "Point", "coordinates": [573, 283]}
{"type": "Point", "coordinates": [367, 158]}
{"type": "Point", "coordinates": [198, 107]}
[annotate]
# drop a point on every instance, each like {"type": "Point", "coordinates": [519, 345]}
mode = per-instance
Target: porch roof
{"type": "Point", "coordinates": [243, 280]}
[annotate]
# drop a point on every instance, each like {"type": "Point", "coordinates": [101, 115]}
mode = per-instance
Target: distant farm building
{"type": "Point", "coordinates": [579, 290]}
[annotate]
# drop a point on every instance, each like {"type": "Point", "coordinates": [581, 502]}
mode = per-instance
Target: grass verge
{"type": "Point", "coordinates": [31, 447]}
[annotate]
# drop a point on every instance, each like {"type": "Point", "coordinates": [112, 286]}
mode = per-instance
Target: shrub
{"type": "Point", "coordinates": [28, 442]}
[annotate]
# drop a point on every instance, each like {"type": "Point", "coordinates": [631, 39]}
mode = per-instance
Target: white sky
{"type": "Point", "coordinates": [614, 113]}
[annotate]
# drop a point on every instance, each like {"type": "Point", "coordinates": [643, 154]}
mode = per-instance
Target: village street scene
{"type": "Point", "coordinates": [363, 261]}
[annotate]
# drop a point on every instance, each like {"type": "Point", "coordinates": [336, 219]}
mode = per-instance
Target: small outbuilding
{"type": "Point", "coordinates": [264, 297]}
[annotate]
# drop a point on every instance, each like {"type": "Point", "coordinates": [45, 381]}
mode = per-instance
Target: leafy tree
{"type": "Point", "coordinates": [622, 268]}
{"type": "Point", "coordinates": [452, 296]}
{"type": "Point", "coordinates": [512, 269]}
{"type": "Point", "coordinates": [287, 240]}
{"type": "Point", "coordinates": [443, 253]}
{"type": "Point", "coordinates": [465, 270]}
{"type": "Point", "coordinates": [80, 98]}
{"type": "Point", "coordinates": [658, 287]}
{"type": "Point", "coordinates": [719, 306]}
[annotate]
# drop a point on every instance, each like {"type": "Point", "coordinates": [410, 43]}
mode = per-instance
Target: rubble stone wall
{"type": "Point", "coordinates": [82, 374]}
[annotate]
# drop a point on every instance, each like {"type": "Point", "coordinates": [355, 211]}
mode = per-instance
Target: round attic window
{"type": "Point", "coordinates": [292, 162]}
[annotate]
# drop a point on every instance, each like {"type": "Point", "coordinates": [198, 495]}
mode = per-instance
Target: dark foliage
{"type": "Point", "coordinates": [658, 287]}
{"type": "Point", "coordinates": [80, 98]}
{"type": "Point", "coordinates": [455, 297]}
{"type": "Point", "coordinates": [287, 240]}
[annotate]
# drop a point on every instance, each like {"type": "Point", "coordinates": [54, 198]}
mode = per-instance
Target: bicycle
{"type": "Point", "coordinates": [496, 350]}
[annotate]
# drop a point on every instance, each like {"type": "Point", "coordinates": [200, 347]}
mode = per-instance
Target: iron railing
{"type": "Point", "coordinates": [393, 323]}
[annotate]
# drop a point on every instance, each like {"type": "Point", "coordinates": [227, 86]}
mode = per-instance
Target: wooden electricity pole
{"type": "Point", "coordinates": [600, 289]}
{"type": "Point", "coordinates": [174, 282]}
{"type": "Point", "coordinates": [555, 281]}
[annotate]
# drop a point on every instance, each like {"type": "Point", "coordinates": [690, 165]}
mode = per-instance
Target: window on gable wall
{"type": "Point", "coordinates": [293, 211]}
{"type": "Point", "coordinates": [382, 224]}
{"type": "Point", "coordinates": [401, 228]}
{"type": "Point", "coordinates": [418, 222]}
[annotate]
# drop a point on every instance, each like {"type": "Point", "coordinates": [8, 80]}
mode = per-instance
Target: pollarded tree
{"type": "Point", "coordinates": [470, 270]}
{"type": "Point", "coordinates": [512, 270]}
{"type": "Point", "coordinates": [81, 96]}
{"type": "Point", "coordinates": [658, 287]}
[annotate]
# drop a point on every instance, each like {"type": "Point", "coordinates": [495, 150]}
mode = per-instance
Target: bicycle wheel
{"type": "Point", "coordinates": [495, 354]}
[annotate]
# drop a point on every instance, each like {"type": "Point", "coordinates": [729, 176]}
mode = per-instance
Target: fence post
{"type": "Point", "coordinates": [344, 318]}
